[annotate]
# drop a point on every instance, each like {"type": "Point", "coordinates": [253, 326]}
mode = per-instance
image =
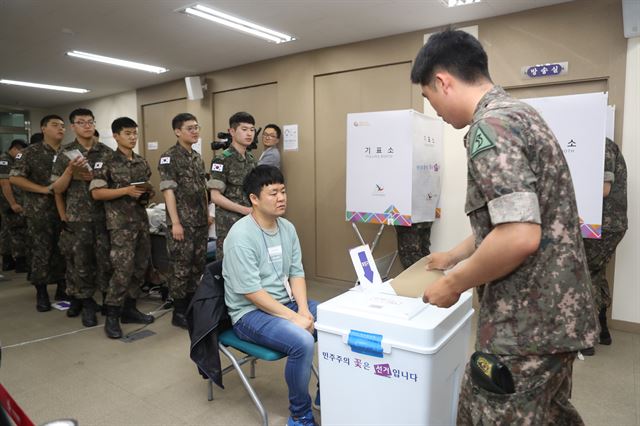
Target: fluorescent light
{"type": "Point", "coordinates": [454, 3]}
{"type": "Point", "coordinates": [115, 61]}
{"type": "Point", "coordinates": [238, 24]}
{"type": "Point", "coordinates": [43, 86]}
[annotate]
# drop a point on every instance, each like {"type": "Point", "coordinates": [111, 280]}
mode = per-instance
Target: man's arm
{"type": "Point", "coordinates": [448, 259]}
{"type": "Point", "coordinates": [61, 206]}
{"type": "Point", "coordinates": [503, 250]}
{"type": "Point", "coordinates": [8, 195]}
{"type": "Point", "coordinates": [176, 226]}
{"type": "Point", "coordinates": [265, 302]}
{"type": "Point", "coordinates": [24, 183]}
{"type": "Point", "coordinates": [606, 189]}
{"type": "Point", "coordinates": [78, 164]}
{"type": "Point", "coordinates": [225, 203]}
{"type": "Point", "coordinates": [107, 194]}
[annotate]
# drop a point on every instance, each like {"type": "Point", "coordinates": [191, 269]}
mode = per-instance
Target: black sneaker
{"type": "Point", "coordinates": [588, 351]}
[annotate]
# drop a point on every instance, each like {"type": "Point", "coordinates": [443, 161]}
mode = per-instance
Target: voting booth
{"type": "Point", "coordinates": [394, 165]}
{"type": "Point", "coordinates": [391, 360]}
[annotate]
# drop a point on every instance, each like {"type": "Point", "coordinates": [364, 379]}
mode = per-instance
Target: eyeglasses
{"type": "Point", "coordinates": [89, 123]}
{"type": "Point", "coordinates": [58, 125]}
{"type": "Point", "coordinates": [268, 136]}
{"type": "Point", "coordinates": [191, 129]}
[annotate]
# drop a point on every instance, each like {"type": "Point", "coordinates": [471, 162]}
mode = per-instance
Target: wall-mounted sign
{"type": "Point", "coordinates": [545, 70]}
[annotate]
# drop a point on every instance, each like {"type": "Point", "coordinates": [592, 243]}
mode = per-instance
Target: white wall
{"type": "Point", "coordinates": [626, 291]}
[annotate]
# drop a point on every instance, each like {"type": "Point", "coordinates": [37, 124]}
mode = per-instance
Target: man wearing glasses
{"type": "Point", "coordinates": [270, 138]}
{"type": "Point", "coordinates": [86, 239]}
{"type": "Point", "coordinates": [32, 173]}
{"type": "Point", "coordinates": [184, 186]}
{"type": "Point", "coordinates": [228, 171]}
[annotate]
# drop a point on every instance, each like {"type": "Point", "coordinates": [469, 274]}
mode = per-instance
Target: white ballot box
{"type": "Point", "coordinates": [394, 164]}
{"type": "Point", "coordinates": [391, 360]}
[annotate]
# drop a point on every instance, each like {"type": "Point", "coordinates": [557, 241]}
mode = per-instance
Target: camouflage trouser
{"type": "Point", "coordinates": [187, 259]}
{"type": "Point", "coordinates": [413, 242]}
{"type": "Point", "coordinates": [47, 264]}
{"type": "Point", "coordinates": [130, 254]}
{"type": "Point", "coordinates": [13, 234]}
{"type": "Point", "coordinates": [224, 222]}
{"type": "Point", "coordinates": [543, 389]}
{"type": "Point", "coordinates": [599, 253]}
{"type": "Point", "coordinates": [86, 248]}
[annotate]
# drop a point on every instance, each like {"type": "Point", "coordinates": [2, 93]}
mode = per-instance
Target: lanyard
{"type": "Point", "coordinates": [282, 278]}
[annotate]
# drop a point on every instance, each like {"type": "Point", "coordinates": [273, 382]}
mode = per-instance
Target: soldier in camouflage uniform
{"type": "Point", "coordinates": [14, 223]}
{"type": "Point", "coordinates": [32, 173]}
{"type": "Point", "coordinates": [413, 242]}
{"type": "Point", "coordinates": [228, 171]}
{"type": "Point", "coordinates": [614, 225]}
{"type": "Point", "coordinates": [184, 186]}
{"type": "Point", "coordinates": [525, 256]}
{"type": "Point", "coordinates": [86, 239]}
{"type": "Point", "coordinates": [128, 225]}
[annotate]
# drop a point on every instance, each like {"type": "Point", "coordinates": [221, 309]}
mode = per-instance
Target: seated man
{"type": "Point", "coordinates": [265, 289]}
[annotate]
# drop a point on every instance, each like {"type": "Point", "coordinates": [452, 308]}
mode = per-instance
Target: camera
{"type": "Point", "coordinates": [224, 141]}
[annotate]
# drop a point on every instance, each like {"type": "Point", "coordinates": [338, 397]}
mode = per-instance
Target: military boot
{"type": "Point", "coordinates": [112, 323]}
{"type": "Point", "coordinates": [42, 298]}
{"type": "Point", "coordinates": [179, 318]}
{"type": "Point", "coordinates": [75, 307]}
{"type": "Point", "coordinates": [89, 308]}
{"type": "Point", "coordinates": [605, 336]}
{"type": "Point", "coordinates": [8, 264]}
{"type": "Point", "coordinates": [21, 265]}
{"type": "Point", "coordinates": [131, 314]}
{"type": "Point", "coordinates": [61, 291]}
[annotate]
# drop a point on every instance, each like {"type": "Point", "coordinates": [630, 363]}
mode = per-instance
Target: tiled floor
{"type": "Point", "coordinates": [83, 375]}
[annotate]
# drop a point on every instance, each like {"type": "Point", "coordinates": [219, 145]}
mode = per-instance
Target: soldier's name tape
{"type": "Point", "coordinates": [165, 160]}
{"type": "Point", "coordinates": [215, 167]}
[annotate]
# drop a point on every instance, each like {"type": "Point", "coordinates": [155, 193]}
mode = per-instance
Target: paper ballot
{"type": "Point", "coordinates": [72, 154]}
{"type": "Point", "coordinates": [365, 266]}
{"type": "Point", "coordinates": [415, 279]}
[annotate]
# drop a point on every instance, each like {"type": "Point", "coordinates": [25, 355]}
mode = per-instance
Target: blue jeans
{"type": "Point", "coordinates": [284, 336]}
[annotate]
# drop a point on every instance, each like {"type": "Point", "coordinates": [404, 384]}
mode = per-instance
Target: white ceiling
{"type": "Point", "coordinates": [35, 34]}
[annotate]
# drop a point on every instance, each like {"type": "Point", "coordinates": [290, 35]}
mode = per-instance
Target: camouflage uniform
{"type": "Point", "coordinates": [183, 172]}
{"type": "Point", "coordinates": [14, 225]}
{"type": "Point", "coordinates": [541, 313]}
{"type": "Point", "coordinates": [227, 175]}
{"type": "Point", "coordinates": [614, 224]}
{"type": "Point", "coordinates": [43, 222]}
{"type": "Point", "coordinates": [413, 242]}
{"type": "Point", "coordinates": [85, 240]}
{"type": "Point", "coordinates": [127, 223]}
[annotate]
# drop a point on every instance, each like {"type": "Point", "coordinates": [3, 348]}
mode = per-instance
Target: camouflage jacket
{"type": "Point", "coordinates": [517, 173]}
{"type": "Point", "coordinates": [183, 172]}
{"type": "Point", "coordinates": [614, 206]}
{"type": "Point", "coordinates": [228, 171]}
{"type": "Point", "coordinates": [80, 207]}
{"type": "Point", "coordinates": [118, 172]}
{"type": "Point", "coordinates": [35, 163]}
{"type": "Point", "coordinates": [6, 162]}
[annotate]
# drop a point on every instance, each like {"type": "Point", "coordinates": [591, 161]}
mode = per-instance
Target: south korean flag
{"type": "Point", "coordinates": [165, 160]}
{"type": "Point", "coordinates": [215, 167]}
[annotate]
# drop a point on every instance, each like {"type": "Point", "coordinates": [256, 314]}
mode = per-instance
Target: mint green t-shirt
{"type": "Point", "coordinates": [255, 260]}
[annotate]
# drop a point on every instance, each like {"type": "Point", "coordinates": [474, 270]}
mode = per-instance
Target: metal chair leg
{"type": "Point", "coordinates": [252, 371]}
{"type": "Point", "coordinates": [247, 386]}
{"type": "Point", "coordinates": [210, 383]}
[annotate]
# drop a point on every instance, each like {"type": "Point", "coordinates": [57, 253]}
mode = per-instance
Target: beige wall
{"type": "Point", "coordinates": [586, 33]}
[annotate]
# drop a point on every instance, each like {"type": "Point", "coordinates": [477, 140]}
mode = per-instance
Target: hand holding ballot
{"type": "Point", "coordinates": [139, 189]}
{"type": "Point", "coordinates": [441, 293]}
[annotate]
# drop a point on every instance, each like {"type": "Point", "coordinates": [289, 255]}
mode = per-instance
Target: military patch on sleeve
{"type": "Point", "coordinates": [215, 167]}
{"type": "Point", "coordinates": [165, 160]}
{"type": "Point", "coordinates": [98, 165]}
{"type": "Point", "coordinates": [480, 143]}
{"type": "Point", "coordinates": [4, 163]}
{"type": "Point", "coordinates": [18, 156]}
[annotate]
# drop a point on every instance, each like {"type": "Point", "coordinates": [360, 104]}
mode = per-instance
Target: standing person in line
{"type": "Point", "coordinates": [86, 235]}
{"type": "Point", "coordinates": [32, 173]}
{"type": "Point", "coordinates": [525, 257]}
{"type": "Point", "coordinates": [121, 182]}
{"type": "Point", "coordinates": [413, 242]}
{"type": "Point", "coordinates": [270, 139]}
{"type": "Point", "coordinates": [228, 172]}
{"type": "Point", "coordinates": [184, 186]}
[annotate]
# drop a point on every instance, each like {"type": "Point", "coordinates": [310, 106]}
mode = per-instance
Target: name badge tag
{"type": "Point", "coordinates": [275, 254]}
{"type": "Point", "coordinates": [287, 287]}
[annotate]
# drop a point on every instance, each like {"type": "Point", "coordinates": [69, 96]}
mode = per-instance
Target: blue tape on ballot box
{"type": "Point", "coordinates": [366, 343]}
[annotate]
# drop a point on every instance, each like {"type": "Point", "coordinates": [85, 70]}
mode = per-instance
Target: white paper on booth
{"type": "Point", "coordinates": [365, 267]}
{"type": "Point", "coordinates": [290, 140]}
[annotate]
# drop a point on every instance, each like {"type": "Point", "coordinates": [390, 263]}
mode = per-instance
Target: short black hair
{"type": "Point", "coordinates": [179, 119]}
{"type": "Point", "coordinates": [454, 51]}
{"type": "Point", "coordinates": [260, 177]}
{"type": "Point", "coordinates": [19, 143]}
{"type": "Point", "coordinates": [36, 138]}
{"type": "Point", "coordinates": [119, 124]}
{"type": "Point", "coordinates": [274, 127]}
{"type": "Point", "coordinates": [241, 117]}
{"type": "Point", "coordinates": [78, 112]}
{"type": "Point", "coordinates": [47, 118]}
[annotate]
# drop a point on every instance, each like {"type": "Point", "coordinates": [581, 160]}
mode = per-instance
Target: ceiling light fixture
{"type": "Point", "coordinates": [115, 61]}
{"type": "Point", "coordinates": [454, 3]}
{"type": "Point", "coordinates": [238, 24]}
{"type": "Point", "coordinates": [43, 86]}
